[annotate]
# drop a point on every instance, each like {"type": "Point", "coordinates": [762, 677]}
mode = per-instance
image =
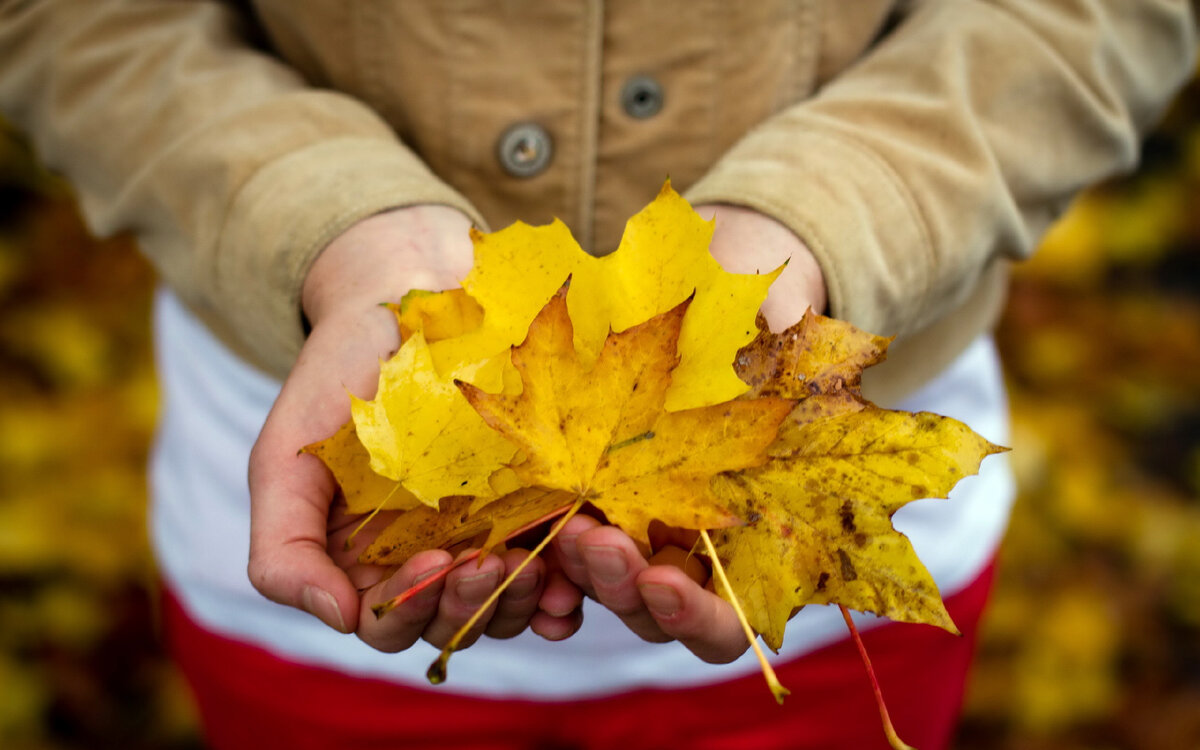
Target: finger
{"type": "Point", "coordinates": [560, 613]}
{"type": "Point", "coordinates": [467, 588]}
{"type": "Point", "coordinates": [684, 560]}
{"type": "Point", "coordinates": [567, 554]}
{"type": "Point", "coordinates": [613, 564]}
{"type": "Point", "coordinates": [519, 601]}
{"type": "Point", "coordinates": [560, 597]}
{"type": "Point", "coordinates": [288, 561]}
{"type": "Point", "coordinates": [699, 619]}
{"type": "Point", "coordinates": [662, 535]}
{"type": "Point", "coordinates": [556, 628]}
{"type": "Point", "coordinates": [401, 627]}
{"type": "Point", "coordinates": [350, 535]}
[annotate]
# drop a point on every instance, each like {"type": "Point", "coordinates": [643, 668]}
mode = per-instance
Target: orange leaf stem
{"type": "Point", "coordinates": [893, 739]}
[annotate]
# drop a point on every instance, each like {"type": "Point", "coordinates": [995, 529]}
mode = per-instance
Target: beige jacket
{"type": "Point", "coordinates": [915, 146]}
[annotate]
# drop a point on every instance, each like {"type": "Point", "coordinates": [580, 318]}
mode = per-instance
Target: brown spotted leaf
{"type": "Point", "coordinates": [818, 361]}
{"type": "Point", "coordinates": [819, 516]}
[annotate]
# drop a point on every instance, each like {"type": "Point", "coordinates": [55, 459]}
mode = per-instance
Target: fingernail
{"type": "Point", "coordinates": [607, 564]}
{"type": "Point", "coordinates": [569, 546]}
{"type": "Point", "coordinates": [523, 585]}
{"type": "Point", "coordinates": [663, 601]}
{"type": "Point", "coordinates": [477, 588]}
{"type": "Point", "coordinates": [321, 604]}
{"type": "Point", "coordinates": [431, 594]}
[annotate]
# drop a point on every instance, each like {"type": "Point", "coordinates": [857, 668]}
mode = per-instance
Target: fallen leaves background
{"type": "Point", "coordinates": [80, 665]}
{"type": "Point", "coordinates": [1093, 639]}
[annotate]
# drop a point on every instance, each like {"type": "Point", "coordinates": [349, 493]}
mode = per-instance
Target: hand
{"type": "Point", "coordinates": [663, 602]}
{"type": "Point", "coordinates": [378, 259]}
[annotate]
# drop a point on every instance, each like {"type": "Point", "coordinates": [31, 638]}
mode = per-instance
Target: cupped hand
{"type": "Point", "coordinates": [663, 602]}
{"type": "Point", "coordinates": [294, 535]}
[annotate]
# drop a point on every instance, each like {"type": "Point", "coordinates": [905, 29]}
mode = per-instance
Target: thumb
{"type": "Point", "coordinates": [289, 562]}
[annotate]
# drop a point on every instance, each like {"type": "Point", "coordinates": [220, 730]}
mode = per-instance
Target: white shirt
{"type": "Point", "coordinates": [213, 405]}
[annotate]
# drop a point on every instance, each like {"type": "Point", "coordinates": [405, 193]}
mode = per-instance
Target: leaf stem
{"type": "Point", "coordinates": [437, 670]}
{"type": "Point", "coordinates": [383, 608]}
{"type": "Point", "coordinates": [777, 689]}
{"type": "Point", "coordinates": [893, 739]}
{"type": "Point", "coordinates": [367, 520]}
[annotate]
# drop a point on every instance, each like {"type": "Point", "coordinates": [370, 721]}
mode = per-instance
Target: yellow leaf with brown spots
{"type": "Point", "coordinates": [819, 516]}
{"type": "Point", "coordinates": [818, 361]}
{"type": "Point", "coordinates": [598, 430]}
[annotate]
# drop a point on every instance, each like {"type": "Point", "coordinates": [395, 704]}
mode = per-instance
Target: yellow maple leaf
{"type": "Point", "coordinates": [819, 512]}
{"type": "Point", "coordinates": [437, 315]}
{"type": "Point", "coordinates": [364, 490]}
{"type": "Point", "coordinates": [420, 431]}
{"type": "Point", "coordinates": [662, 260]}
{"type": "Point", "coordinates": [450, 322]}
{"type": "Point", "coordinates": [456, 522]}
{"type": "Point", "coordinates": [599, 431]}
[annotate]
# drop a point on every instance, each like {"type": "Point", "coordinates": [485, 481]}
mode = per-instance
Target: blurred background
{"type": "Point", "coordinates": [1093, 637]}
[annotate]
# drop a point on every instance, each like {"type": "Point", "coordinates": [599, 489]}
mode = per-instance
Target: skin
{"type": "Point", "coordinates": [298, 555]}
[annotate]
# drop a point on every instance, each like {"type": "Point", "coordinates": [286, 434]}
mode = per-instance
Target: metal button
{"type": "Point", "coordinates": [642, 97]}
{"type": "Point", "coordinates": [524, 150]}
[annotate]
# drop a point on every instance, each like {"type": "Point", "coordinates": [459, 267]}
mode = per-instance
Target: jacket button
{"type": "Point", "coordinates": [524, 150]}
{"type": "Point", "coordinates": [642, 97]}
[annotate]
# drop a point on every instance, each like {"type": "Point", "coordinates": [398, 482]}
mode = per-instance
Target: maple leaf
{"type": "Point", "coordinates": [437, 315]}
{"type": "Point", "coordinates": [817, 357]}
{"type": "Point", "coordinates": [599, 431]}
{"type": "Point", "coordinates": [450, 322]}
{"type": "Point", "coordinates": [662, 260]}
{"type": "Point", "coordinates": [420, 432]}
{"type": "Point", "coordinates": [819, 512]}
{"type": "Point", "coordinates": [364, 490]}
{"type": "Point", "coordinates": [456, 521]}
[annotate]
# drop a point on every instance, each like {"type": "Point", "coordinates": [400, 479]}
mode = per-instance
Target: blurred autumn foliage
{"type": "Point", "coordinates": [1093, 637]}
{"type": "Point", "coordinates": [80, 663]}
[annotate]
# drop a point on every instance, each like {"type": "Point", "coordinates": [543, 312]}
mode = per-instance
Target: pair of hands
{"type": "Point", "coordinates": [297, 551]}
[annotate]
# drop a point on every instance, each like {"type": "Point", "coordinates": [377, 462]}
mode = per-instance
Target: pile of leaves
{"type": "Point", "coordinates": [644, 386]}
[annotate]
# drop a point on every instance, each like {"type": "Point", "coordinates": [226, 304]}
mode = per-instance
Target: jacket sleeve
{"type": "Point", "coordinates": [957, 140]}
{"type": "Point", "coordinates": [232, 172]}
